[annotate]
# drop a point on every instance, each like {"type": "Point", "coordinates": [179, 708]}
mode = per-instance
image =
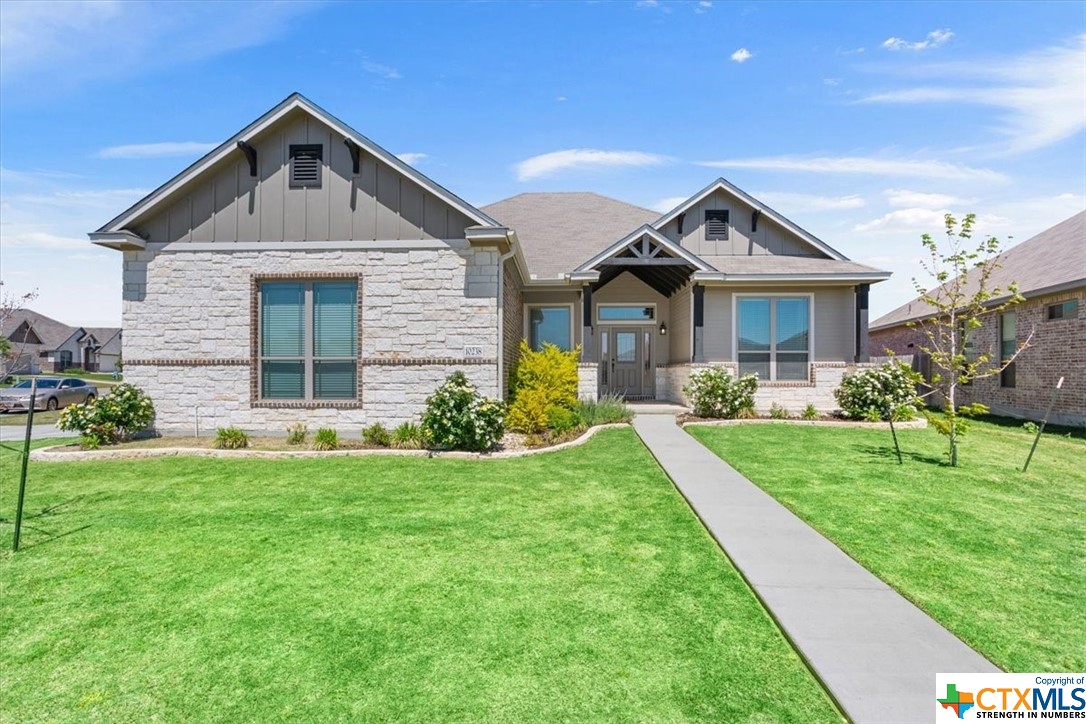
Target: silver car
{"type": "Point", "coordinates": [53, 392]}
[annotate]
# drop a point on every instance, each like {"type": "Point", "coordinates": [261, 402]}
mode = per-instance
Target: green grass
{"type": "Point", "coordinates": [995, 555]}
{"type": "Point", "coordinates": [572, 586]}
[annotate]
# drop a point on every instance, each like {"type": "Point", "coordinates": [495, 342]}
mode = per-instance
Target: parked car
{"type": "Point", "coordinates": [53, 393]}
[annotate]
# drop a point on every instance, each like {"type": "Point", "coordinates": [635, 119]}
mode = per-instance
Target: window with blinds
{"type": "Point", "coordinates": [309, 340]}
{"type": "Point", "coordinates": [773, 337]}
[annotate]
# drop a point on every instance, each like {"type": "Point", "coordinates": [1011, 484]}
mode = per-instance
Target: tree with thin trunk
{"type": "Point", "coordinates": [11, 352]}
{"type": "Point", "coordinates": [963, 296]}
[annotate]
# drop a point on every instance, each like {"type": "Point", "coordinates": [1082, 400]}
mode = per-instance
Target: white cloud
{"type": "Point", "coordinates": [703, 7]}
{"type": "Point", "coordinates": [850, 51]}
{"type": "Point", "coordinates": [51, 47]}
{"type": "Point", "coordinates": [667, 204]}
{"type": "Point", "coordinates": [831, 81]}
{"type": "Point", "coordinates": [933, 40]}
{"type": "Point", "coordinates": [905, 220]}
{"type": "Point", "coordinates": [548, 164]}
{"type": "Point", "coordinates": [653, 5]}
{"type": "Point", "coordinates": [412, 159]}
{"type": "Point", "coordinates": [560, 99]}
{"type": "Point", "coordinates": [792, 202]}
{"type": "Point", "coordinates": [384, 71]}
{"type": "Point", "coordinates": [742, 55]}
{"type": "Point", "coordinates": [904, 198]}
{"type": "Point", "coordinates": [157, 150]}
{"type": "Point", "coordinates": [861, 165]}
{"type": "Point", "coordinates": [1042, 94]}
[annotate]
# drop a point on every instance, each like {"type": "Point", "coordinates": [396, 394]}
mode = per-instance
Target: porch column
{"type": "Point", "coordinates": [587, 347]}
{"type": "Point", "coordinates": [699, 324]}
{"type": "Point", "coordinates": [861, 323]}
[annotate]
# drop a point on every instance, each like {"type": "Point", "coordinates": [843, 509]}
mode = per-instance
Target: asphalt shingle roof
{"type": "Point", "coordinates": [559, 231]}
{"type": "Point", "coordinates": [1054, 258]}
{"type": "Point", "coordinates": [786, 265]}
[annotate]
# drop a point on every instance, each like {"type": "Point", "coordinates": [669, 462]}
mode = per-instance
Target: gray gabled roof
{"type": "Point", "coordinates": [1053, 260]}
{"type": "Point", "coordinates": [800, 266]}
{"type": "Point", "coordinates": [288, 104]}
{"type": "Point", "coordinates": [51, 332]}
{"type": "Point", "coordinates": [559, 231]}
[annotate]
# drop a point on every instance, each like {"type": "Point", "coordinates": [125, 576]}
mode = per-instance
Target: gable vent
{"type": "Point", "coordinates": [716, 224]}
{"type": "Point", "coordinates": [305, 166]}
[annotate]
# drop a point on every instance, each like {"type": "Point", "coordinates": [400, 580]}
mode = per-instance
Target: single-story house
{"type": "Point", "coordinates": [41, 344]}
{"type": "Point", "coordinates": [301, 273]}
{"type": "Point", "coordinates": [1050, 270]}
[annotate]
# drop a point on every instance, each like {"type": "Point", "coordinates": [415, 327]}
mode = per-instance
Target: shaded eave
{"type": "Point", "coordinates": [656, 260]}
{"type": "Point", "coordinates": [290, 103]}
{"type": "Point", "coordinates": [722, 184]}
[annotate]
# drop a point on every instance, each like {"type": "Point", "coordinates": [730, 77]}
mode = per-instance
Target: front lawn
{"type": "Point", "coordinates": [996, 556]}
{"type": "Point", "coordinates": [570, 586]}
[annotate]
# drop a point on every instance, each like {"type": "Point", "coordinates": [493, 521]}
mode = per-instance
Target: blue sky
{"type": "Point", "coordinates": [864, 123]}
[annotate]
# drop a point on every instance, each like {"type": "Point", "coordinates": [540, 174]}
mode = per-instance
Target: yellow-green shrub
{"type": "Point", "coordinates": [541, 380]}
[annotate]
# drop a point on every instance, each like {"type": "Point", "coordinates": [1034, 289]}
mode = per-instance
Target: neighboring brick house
{"type": "Point", "coordinates": [301, 273]}
{"type": "Point", "coordinates": [1050, 270]}
{"type": "Point", "coordinates": [42, 344]}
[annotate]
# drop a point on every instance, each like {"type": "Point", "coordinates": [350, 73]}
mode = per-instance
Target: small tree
{"type": "Point", "coordinates": [962, 297]}
{"type": "Point", "coordinates": [10, 306]}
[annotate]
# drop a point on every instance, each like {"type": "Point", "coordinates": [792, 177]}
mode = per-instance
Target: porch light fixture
{"type": "Point", "coordinates": [663, 329]}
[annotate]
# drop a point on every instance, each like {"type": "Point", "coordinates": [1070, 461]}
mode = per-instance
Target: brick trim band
{"type": "Point", "coordinates": [167, 362]}
{"type": "Point", "coordinates": [307, 404]}
{"type": "Point", "coordinates": [424, 361]}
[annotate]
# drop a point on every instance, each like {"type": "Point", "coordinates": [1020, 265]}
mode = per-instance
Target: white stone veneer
{"type": "Point", "coordinates": [419, 304]}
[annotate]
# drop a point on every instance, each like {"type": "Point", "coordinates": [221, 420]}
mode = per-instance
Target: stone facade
{"type": "Point", "coordinates": [588, 382]}
{"type": "Point", "coordinates": [188, 342]}
{"type": "Point", "coordinates": [1057, 348]}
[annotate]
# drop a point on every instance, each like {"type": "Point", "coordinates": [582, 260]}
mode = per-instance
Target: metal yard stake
{"type": "Point", "coordinates": [26, 459]}
{"type": "Point", "coordinates": [1051, 402]}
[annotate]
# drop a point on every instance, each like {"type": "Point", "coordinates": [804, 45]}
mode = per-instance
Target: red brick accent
{"type": "Point", "coordinates": [168, 362]}
{"type": "Point", "coordinates": [424, 361]}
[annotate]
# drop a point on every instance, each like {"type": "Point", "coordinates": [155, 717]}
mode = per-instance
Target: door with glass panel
{"type": "Point", "coordinates": [626, 362]}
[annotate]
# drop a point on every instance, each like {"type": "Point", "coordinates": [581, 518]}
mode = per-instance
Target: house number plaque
{"type": "Point", "coordinates": [473, 351]}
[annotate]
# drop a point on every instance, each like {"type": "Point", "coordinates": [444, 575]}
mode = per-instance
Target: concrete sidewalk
{"type": "Point", "coordinates": [876, 652]}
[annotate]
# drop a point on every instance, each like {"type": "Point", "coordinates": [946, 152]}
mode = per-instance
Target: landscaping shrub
{"type": "Point", "coordinates": [230, 438]}
{"type": "Point", "coordinates": [528, 413]}
{"type": "Point", "coordinates": [777, 412]}
{"type": "Point", "coordinates": [408, 436]}
{"type": "Point", "coordinates": [562, 420]}
{"type": "Point", "coordinates": [606, 410]}
{"type": "Point", "coordinates": [297, 433]}
{"type": "Point", "coordinates": [73, 371]}
{"type": "Point", "coordinates": [109, 419]}
{"type": "Point", "coordinates": [326, 439]}
{"type": "Point", "coordinates": [714, 393]}
{"type": "Point", "coordinates": [810, 413]}
{"type": "Point", "coordinates": [457, 417]}
{"type": "Point", "coordinates": [873, 394]}
{"type": "Point", "coordinates": [376, 434]}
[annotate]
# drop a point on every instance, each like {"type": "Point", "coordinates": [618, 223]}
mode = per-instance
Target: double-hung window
{"type": "Point", "coordinates": [309, 340]}
{"type": "Point", "coordinates": [550, 325]}
{"type": "Point", "coordinates": [773, 339]}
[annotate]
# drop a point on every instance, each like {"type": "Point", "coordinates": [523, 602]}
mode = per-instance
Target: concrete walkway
{"type": "Point", "coordinates": [876, 652]}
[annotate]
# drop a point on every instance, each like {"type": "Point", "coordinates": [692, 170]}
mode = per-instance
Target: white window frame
{"type": "Point", "coordinates": [654, 322]}
{"type": "Point", "coordinates": [736, 296]}
{"type": "Point", "coordinates": [543, 305]}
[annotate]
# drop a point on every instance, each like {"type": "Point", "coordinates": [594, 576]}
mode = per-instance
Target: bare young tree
{"type": "Point", "coordinates": [963, 296]}
{"type": "Point", "coordinates": [11, 352]}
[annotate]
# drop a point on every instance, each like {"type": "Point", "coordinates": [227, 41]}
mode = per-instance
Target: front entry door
{"type": "Point", "coordinates": [627, 367]}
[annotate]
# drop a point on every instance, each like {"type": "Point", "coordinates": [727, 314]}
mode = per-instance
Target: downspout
{"type": "Point", "coordinates": [501, 320]}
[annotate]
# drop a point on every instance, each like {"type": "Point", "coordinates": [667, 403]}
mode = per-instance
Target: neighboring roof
{"type": "Point", "coordinates": [722, 184]}
{"type": "Point", "coordinates": [290, 103]}
{"type": "Point", "coordinates": [51, 332]}
{"type": "Point", "coordinates": [1053, 260]}
{"type": "Point", "coordinates": [778, 266]}
{"type": "Point", "coordinates": [559, 231]}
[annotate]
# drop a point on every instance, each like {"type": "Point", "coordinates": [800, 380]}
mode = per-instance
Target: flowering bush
{"type": "Point", "coordinates": [543, 381]}
{"type": "Point", "coordinates": [109, 419]}
{"type": "Point", "coordinates": [714, 393]}
{"type": "Point", "coordinates": [457, 417]}
{"type": "Point", "coordinates": [877, 393]}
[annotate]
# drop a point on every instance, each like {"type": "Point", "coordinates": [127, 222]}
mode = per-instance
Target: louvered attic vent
{"type": "Point", "coordinates": [305, 166]}
{"type": "Point", "coordinates": [716, 225]}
